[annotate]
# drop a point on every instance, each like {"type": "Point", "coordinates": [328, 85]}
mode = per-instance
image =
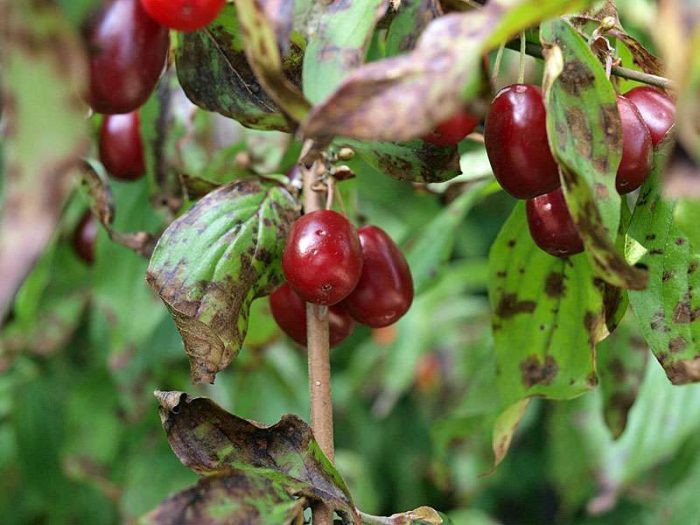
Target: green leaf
{"type": "Point", "coordinates": [585, 134]}
{"type": "Point", "coordinates": [339, 36]}
{"type": "Point", "coordinates": [213, 70]}
{"type": "Point", "coordinates": [213, 261]}
{"type": "Point", "coordinates": [237, 496]}
{"type": "Point", "coordinates": [210, 441]}
{"type": "Point", "coordinates": [405, 97]}
{"type": "Point", "coordinates": [547, 317]}
{"type": "Point", "coordinates": [505, 426]}
{"type": "Point", "coordinates": [260, 43]}
{"type": "Point", "coordinates": [410, 21]}
{"type": "Point", "coordinates": [414, 161]}
{"type": "Point", "coordinates": [668, 310]}
{"type": "Point", "coordinates": [43, 73]}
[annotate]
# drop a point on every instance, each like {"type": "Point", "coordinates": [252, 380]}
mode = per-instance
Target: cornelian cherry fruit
{"type": "Point", "coordinates": [323, 257]}
{"type": "Point", "coordinates": [516, 142]}
{"type": "Point", "coordinates": [84, 237]}
{"type": "Point", "coordinates": [184, 15]}
{"type": "Point", "coordinates": [127, 51]}
{"type": "Point", "coordinates": [637, 148]}
{"type": "Point", "coordinates": [385, 290]}
{"type": "Point", "coordinates": [656, 109]}
{"type": "Point", "coordinates": [121, 147]}
{"type": "Point", "coordinates": [453, 130]}
{"type": "Point", "coordinates": [551, 225]}
{"type": "Point", "coordinates": [289, 311]}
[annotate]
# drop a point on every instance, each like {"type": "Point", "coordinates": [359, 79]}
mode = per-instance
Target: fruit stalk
{"type": "Point", "coordinates": [535, 50]}
{"type": "Point", "coordinates": [318, 349]}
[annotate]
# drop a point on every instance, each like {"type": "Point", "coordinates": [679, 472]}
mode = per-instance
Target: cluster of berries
{"type": "Point", "coordinates": [361, 275]}
{"type": "Point", "coordinates": [518, 149]}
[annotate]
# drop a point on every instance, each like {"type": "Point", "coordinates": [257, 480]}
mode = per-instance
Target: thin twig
{"type": "Point", "coordinates": [317, 343]}
{"type": "Point", "coordinates": [535, 50]}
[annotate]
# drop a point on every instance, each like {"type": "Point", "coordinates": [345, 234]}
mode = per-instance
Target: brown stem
{"type": "Point", "coordinates": [535, 50]}
{"type": "Point", "coordinates": [319, 359]}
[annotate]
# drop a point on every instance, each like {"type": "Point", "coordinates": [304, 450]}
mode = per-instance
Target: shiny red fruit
{"type": "Point", "coordinates": [385, 290]}
{"type": "Point", "coordinates": [289, 311]}
{"type": "Point", "coordinates": [127, 51]}
{"type": "Point", "coordinates": [637, 148]}
{"type": "Point", "coordinates": [84, 237]}
{"type": "Point", "coordinates": [516, 142]}
{"type": "Point", "coordinates": [323, 257]}
{"type": "Point", "coordinates": [657, 110]}
{"type": "Point", "coordinates": [184, 15]}
{"type": "Point", "coordinates": [121, 147]}
{"type": "Point", "coordinates": [551, 225]}
{"type": "Point", "coordinates": [453, 130]}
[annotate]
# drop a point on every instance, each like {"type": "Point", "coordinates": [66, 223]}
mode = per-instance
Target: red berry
{"type": "Point", "coordinates": [453, 130]}
{"type": "Point", "coordinates": [551, 225]}
{"type": "Point", "coordinates": [84, 237]}
{"type": "Point", "coordinates": [656, 108]}
{"type": "Point", "coordinates": [184, 15]}
{"type": "Point", "coordinates": [385, 290]}
{"type": "Point", "coordinates": [516, 142]}
{"type": "Point", "coordinates": [323, 257]}
{"type": "Point", "coordinates": [637, 149]}
{"type": "Point", "coordinates": [121, 147]}
{"type": "Point", "coordinates": [289, 311]}
{"type": "Point", "coordinates": [127, 51]}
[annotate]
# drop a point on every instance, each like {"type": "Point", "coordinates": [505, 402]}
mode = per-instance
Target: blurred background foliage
{"type": "Point", "coordinates": [84, 347]}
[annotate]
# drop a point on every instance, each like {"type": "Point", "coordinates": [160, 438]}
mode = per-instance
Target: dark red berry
{"type": "Point", "coordinates": [289, 311]}
{"type": "Point", "coordinates": [637, 148]}
{"type": "Point", "coordinates": [516, 142]}
{"type": "Point", "coordinates": [656, 108]}
{"type": "Point", "coordinates": [121, 147]}
{"type": "Point", "coordinates": [323, 257]}
{"type": "Point", "coordinates": [127, 51]}
{"type": "Point", "coordinates": [453, 130]}
{"type": "Point", "coordinates": [385, 290]}
{"type": "Point", "coordinates": [84, 237]}
{"type": "Point", "coordinates": [551, 225]}
{"type": "Point", "coordinates": [184, 15]}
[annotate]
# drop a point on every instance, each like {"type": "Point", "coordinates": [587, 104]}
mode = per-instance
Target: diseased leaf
{"type": "Point", "coordinates": [213, 71]}
{"type": "Point", "coordinates": [43, 71]}
{"type": "Point", "coordinates": [410, 21]}
{"type": "Point", "coordinates": [622, 361]}
{"type": "Point", "coordinates": [237, 496]}
{"type": "Point", "coordinates": [210, 441]}
{"type": "Point", "coordinates": [668, 310]}
{"type": "Point", "coordinates": [505, 426]}
{"type": "Point", "coordinates": [585, 134]}
{"type": "Point", "coordinates": [419, 516]}
{"type": "Point", "coordinates": [213, 261]}
{"type": "Point", "coordinates": [414, 161]}
{"type": "Point", "coordinates": [260, 44]}
{"type": "Point", "coordinates": [339, 35]}
{"type": "Point", "coordinates": [547, 317]}
{"type": "Point", "coordinates": [405, 97]}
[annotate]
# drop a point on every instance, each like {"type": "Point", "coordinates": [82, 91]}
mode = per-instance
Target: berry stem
{"type": "Point", "coordinates": [535, 50]}
{"type": "Point", "coordinates": [521, 65]}
{"type": "Point", "coordinates": [317, 342]}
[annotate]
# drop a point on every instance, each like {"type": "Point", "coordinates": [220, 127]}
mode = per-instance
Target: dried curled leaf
{"type": "Point", "coordinates": [210, 441]}
{"type": "Point", "coordinates": [211, 263]}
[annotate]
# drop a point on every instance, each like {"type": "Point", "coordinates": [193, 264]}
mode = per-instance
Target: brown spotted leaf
{"type": "Point", "coordinates": [410, 21]}
{"type": "Point", "coordinates": [214, 72]}
{"type": "Point", "coordinates": [44, 132]}
{"type": "Point", "coordinates": [547, 317]}
{"type": "Point", "coordinates": [669, 309]}
{"type": "Point", "coordinates": [504, 428]}
{"type": "Point", "coordinates": [210, 441]}
{"type": "Point", "coordinates": [264, 56]}
{"type": "Point", "coordinates": [404, 97]}
{"type": "Point", "coordinates": [211, 263]}
{"type": "Point", "coordinates": [238, 496]}
{"type": "Point", "coordinates": [585, 134]}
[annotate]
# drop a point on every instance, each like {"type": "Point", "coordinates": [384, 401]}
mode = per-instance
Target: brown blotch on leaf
{"type": "Point", "coordinates": [575, 78]}
{"type": "Point", "coordinates": [509, 305]}
{"type": "Point", "coordinates": [534, 372]}
{"type": "Point", "coordinates": [658, 321]}
{"type": "Point", "coordinates": [554, 286]}
{"type": "Point", "coordinates": [684, 371]}
{"type": "Point", "coordinates": [617, 369]}
{"type": "Point", "coordinates": [677, 344]}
